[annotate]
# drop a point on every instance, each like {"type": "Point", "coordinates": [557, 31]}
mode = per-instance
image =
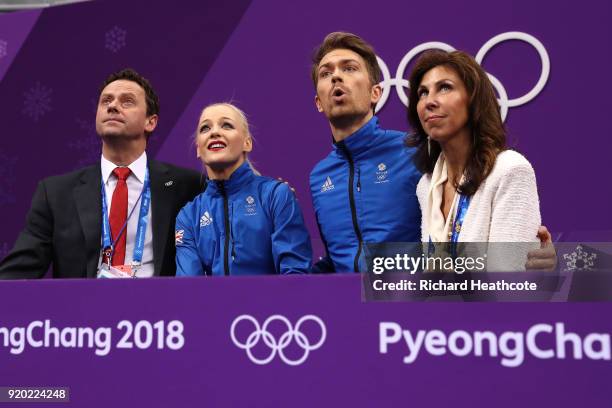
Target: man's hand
{"type": "Point", "coordinates": [544, 258]}
{"type": "Point", "coordinates": [288, 185]}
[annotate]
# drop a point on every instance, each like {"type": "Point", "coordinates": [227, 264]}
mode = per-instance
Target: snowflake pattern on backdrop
{"type": "Point", "coordinates": [3, 49]}
{"type": "Point", "coordinates": [579, 260]}
{"type": "Point", "coordinates": [87, 146]}
{"type": "Point", "coordinates": [114, 39]}
{"type": "Point", "coordinates": [7, 179]}
{"type": "Point", "coordinates": [37, 101]}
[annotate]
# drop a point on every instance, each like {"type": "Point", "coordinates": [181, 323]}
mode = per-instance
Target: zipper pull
{"type": "Point", "coordinates": [358, 180]}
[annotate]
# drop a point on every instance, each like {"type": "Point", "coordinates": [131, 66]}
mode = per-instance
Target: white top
{"type": "Point", "coordinates": [439, 228]}
{"type": "Point", "coordinates": [505, 208]}
{"type": "Point", "coordinates": [135, 183]}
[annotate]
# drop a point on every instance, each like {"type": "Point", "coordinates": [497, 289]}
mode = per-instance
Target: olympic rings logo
{"type": "Point", "coordinates": [284, 340]}
{"type": "Point", "coordinates": [504, 102]}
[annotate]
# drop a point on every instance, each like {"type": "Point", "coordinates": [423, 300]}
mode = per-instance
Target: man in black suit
{"type": "Point", "coordinates": [64, 224]}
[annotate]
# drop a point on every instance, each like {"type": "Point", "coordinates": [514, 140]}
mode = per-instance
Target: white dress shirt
{"type": "Point", "coordinates": [135, 184]}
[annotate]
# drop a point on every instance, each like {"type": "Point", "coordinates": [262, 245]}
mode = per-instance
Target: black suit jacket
{"type": "Point", "coordinates": [63, 226]}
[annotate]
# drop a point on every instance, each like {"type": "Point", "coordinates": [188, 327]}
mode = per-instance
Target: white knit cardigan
{"type": "Point", "coordinates": [505, 208]}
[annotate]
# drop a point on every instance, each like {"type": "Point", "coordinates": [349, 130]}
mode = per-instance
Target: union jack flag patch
{"type": "Point", "coordinates": [178, 237]}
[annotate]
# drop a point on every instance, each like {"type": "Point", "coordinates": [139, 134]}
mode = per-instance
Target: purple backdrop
{"type": "Point", "coordinates": [257, 55]}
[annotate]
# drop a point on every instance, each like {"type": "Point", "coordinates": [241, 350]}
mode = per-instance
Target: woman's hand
{"type": "Point", "coordinates": [544, 258]}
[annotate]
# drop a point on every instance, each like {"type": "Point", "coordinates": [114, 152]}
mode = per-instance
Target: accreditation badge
{"type": "Point", "coordinates": [116, 271]}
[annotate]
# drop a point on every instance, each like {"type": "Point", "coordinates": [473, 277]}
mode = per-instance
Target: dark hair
{"type": "Point", "coordinates": [338, 40]}
{"type": "Point", "coordinates": [128, 74]}
{"type": "Point", "coordinates": [488, 136]}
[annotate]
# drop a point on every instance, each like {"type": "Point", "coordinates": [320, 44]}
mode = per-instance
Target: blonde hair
{"type": "Point", "coordinates": [245, 124]}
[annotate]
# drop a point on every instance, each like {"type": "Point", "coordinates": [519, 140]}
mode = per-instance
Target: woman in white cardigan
{"type": "Point", "coordinates": [473, 189]}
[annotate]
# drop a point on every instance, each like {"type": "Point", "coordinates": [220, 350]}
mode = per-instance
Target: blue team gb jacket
{"type": "Point", "coordinates": [364, 191]}
{"type": "Point", "coordinates": [247, 225]}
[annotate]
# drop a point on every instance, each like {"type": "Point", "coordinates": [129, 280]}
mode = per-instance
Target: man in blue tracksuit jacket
{"type": "Point", "coordinates": [364, 191]}
{"type": "Point", "coordinates": [246, 225]}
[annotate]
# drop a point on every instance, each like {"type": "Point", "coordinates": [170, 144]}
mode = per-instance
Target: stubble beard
{"type": "Point", "coordinates": [346, 118]}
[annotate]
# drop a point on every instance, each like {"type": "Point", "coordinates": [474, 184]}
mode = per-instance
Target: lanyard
{"type": "Point", "coordinates": [107, 241]}
{"type": "Point", "coordinates": [462, 207]}
{"type": "Point", "coordinates": [464, 202]}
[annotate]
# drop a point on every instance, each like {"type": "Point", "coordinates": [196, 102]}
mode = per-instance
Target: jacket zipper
{"type": "Point", "coordinates": [221, 186]}
{"type": "Point", "coordinates": [232, 236]}
{"type": "Point", "coordinates": [353, 207]}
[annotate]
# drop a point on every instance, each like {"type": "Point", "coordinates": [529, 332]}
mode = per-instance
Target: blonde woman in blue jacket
{"type": "Point", "coordinates": [244, 223]}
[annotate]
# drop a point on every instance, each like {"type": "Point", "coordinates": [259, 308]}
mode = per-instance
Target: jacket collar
{"type": "Point", "coordinates": [164, 197]}
{"type": "Point", "coordinates": [361, 141]}
{"type": "Point", "coordinates": [239, 178]}
{"type": "Point", "coordinates": [88, 200]}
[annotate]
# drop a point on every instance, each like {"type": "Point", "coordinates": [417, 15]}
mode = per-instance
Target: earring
{"type": "Point", "coordinates": [428, 146]}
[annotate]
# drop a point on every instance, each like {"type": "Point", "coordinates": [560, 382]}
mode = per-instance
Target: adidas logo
{"type": "Point", "coordinates": [205, 220]}
{"type": "Point", "coordinates": [328, 185]}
